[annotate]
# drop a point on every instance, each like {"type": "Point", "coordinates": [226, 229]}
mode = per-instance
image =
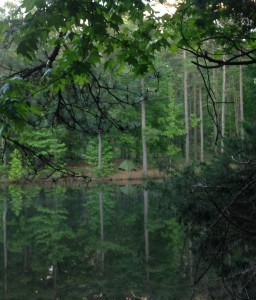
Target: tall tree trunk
{"type": "Point", "coordinates": [201, 125]}
{"type": "Point", "coordinates": [185, 86]}
{"type": "Point", "coordinates": [195, 113]}
{"type": "Point", "coordinates": [241, 100]}
{"type": "Point", "coordinates": [215, 112]}
{"type": "Point", "coordinates": [100, 151]}
{"type": "Point", "coordinates": [223, 107]}
{"type": "Point", "coordinates": [236, 107]}
{"type": "Point", "coordinates": [143, 127]}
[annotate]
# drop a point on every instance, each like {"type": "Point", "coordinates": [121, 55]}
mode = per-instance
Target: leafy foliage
{"type": "Point", "coordinates": [229, 24]}
{"type": "Point", "coordinates": [172, 126]}
{"type": "Point", "coordinates": [16, 198]}
{"type": "Point", "coordinates": [47, 142]}
{"type": "Point", "coordinates": [16, 169]}
{"type": "Point", "coordinates": [91, 156]}
{"type": "Point", "coordinates": [64, 49]}
{"type": "Point", "coordinates": [86, 37]}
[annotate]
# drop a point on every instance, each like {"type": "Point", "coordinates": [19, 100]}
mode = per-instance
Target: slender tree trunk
{"type": "Point", "coordinates": [195, 113]}
{"type": "Point", "coordinates": [201, 125]}
{"type": "Point", "coordinates": [185, 86]}
{"type": "Point", "coordinates": [223, 107]}
{"type": "Point", "coordinates": [215, 112]}
{"type": "Point", "coordinates": [100, 151]}
{"type": "Point", "coordinates": [236, 108]}
{"type": "Point", "coordinates": [241, 100]}
{"type": "Point", "coordinates": [101, 227]}
{"type": "Point", "coordinates": [143, 127]}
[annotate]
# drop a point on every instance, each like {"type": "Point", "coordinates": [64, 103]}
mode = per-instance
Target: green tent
{"type": "Point", "coordinates": [127, 165]}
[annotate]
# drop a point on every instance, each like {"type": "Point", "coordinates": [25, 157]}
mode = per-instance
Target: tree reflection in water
{"type": "Point", "coordinates": [88, 243]}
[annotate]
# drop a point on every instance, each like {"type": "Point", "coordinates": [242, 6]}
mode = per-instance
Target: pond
{"type": "Point", "coordinates": [102, 242]}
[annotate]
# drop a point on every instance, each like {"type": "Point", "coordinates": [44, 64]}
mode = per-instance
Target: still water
{"type": "Point", "coordinates": [104, 242]}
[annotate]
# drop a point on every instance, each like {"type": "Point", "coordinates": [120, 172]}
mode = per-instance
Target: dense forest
{"type": "Point", "coordinates": [167, 85]}
{"type": "Point", "coordinates": [115, 81]}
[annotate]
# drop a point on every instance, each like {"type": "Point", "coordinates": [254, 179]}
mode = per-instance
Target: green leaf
{"type": "Point", "coordinates": [119, 69]}
{"type": "Point", "coordinates": [117, 19]}
{"type": "Point", "coordinates": [94, 58]}
{"type": "Point", "coordinates": [99, 28]}
{"type": "Point", "coordinates": [27, 47]}
{"type": "Point", "coordinates": [82, 79]}
{"type": "Point", "coordinates": [174, 48]}
{"type": "Point", "coordinates": [131, 60]}
{"type": "Point", "coordinates": [35, 110]}
{"type": "Point", "coordinates": [28, 4]}
{"type": "Point", "coordinates": [109, 64]}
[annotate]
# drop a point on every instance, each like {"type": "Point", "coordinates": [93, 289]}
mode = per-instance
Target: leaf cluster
{"type": "Point", "coordinates": [229, 24]}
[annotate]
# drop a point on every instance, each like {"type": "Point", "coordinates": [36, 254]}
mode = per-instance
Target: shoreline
{"type": "Point", "coordinates": [118, 178]}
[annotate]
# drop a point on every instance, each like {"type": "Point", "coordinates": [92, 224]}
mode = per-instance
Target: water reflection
{"type": "Point", "coordinates": [106, 242]}
{"type": "Point", "coordinates": [101, 226]}
{"type": "Point", "coordinates": [5, 245]}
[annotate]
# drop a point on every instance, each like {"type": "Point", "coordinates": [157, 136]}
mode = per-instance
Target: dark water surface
{"type": "Point", "coordinates": [105, 242]}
